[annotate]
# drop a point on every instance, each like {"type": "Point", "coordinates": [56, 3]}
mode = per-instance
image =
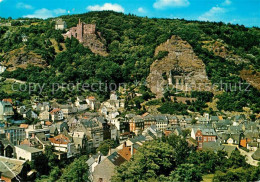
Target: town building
{"type": "Point", "coordinates": [24, 152]}
{"type": "Point", "coordinates": [202, 135]}
{"type": "Point", "coordinates": [13, 169]}
{"type": "Point", "coordinates": [63, 145]}
{"type": "Point", "coordinates": [80, 30]}
{"type": "Point", "coordinates": [6, 111]}
{"type": "Point", "coordinates": [60, 24]}
{"type": "Point", "coordinates": [15, 134]}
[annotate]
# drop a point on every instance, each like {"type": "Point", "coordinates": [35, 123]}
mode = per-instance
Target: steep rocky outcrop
{"type": "Point", "coordinates": [180, 69]}
{"type": "Point", "coordinates": [219, 48]}
{"type": "Point", "coordinates": [21, 59]}
{"type": "Point", "coordinates": [252, 77]}
{"type": "Point", "coordinates": [96, 43]}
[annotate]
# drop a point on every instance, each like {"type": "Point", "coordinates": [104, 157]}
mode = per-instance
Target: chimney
{"type": "Point", "coordinates": [132, 149]}
{"type": "Point", "coordinates": [124, 145]}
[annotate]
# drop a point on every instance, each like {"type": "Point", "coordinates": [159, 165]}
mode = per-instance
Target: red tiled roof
{"type": "Point", "coordinates": [55, 110]}
{"type": "Point", "coordinates": [220, 118]}
{"type": "Point", "coordinates": [145, 114]}
{"type": "Point", "coordinates": [25, 126]}
{"type": "Point", "coordinates": [48, 123]}
{"type": "Point", "coordinates": [60, 139]}
{"type": "Point", "coordinates": [91, 97]}
{"type": "Point", "coordinates": [8, 100]}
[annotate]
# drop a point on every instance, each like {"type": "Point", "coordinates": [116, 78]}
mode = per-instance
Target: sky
{"type": "Point", "coordinates": [243, 12]}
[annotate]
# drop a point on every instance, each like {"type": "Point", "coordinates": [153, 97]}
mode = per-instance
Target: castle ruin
{"type": "Point", "coordinates": [88, 36]}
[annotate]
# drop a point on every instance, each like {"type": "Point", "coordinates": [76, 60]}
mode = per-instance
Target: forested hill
{"type": "Point", "coordinates": [229, 52]}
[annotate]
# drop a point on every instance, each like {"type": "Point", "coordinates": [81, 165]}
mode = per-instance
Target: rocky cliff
{"type": "Point", "coordinates": [96, 43]}
{"type": "Point", "coordinates": [180, 69]}
{"type": "Point", "coordinates": [21, 59]}
{"type": "Point", "coordinates": [252, 77]}
{"type": "Point", "coordinates": [221, 49]}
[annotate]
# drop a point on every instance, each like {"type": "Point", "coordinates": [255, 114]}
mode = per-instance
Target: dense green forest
{"type": "Point", "coordinates": [176, 161]}
{"type": "Point", "coordinates": [130, 42]}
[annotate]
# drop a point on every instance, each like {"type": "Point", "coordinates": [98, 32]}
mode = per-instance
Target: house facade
{"type": "Point", "coordinates": [24, 152]}
{"type": "Point", "coordinates": [203, 135]}
{"type": "Point", "coordinates": [6, 110]}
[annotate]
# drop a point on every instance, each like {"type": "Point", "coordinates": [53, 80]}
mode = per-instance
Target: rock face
{"type": "Point", "coordinates": [252, 77]}
{"type": "Point", "coordinates": [180, 69]}
{"type": "Point", "coordinates": [219, 48]}
{"type": "Point", "coordinates": [20, 59]}
{"type": "Point", "coordinates": [87, 34]}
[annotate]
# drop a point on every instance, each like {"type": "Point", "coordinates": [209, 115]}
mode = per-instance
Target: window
{"type": "Point", "coordinates": [209, 138]}
{"type": "Point", "coordinates": [200, 138]}
{"type": "Point", "coordinates": [205, 139]}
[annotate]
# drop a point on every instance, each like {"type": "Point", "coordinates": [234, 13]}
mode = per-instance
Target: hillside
{"type": "Point", "coordinates": [221, 51]}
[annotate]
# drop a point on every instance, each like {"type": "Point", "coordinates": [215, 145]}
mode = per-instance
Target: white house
{"type": "Point", "coordinates": [60, 25]}
{"type": "Point", "coordinates": [6, 110]}
{"type": "Point", "coordinates": [25, 152]}
{"type": "Point", "coordinates": [57, 114]}
{"type": "Point", "coordinates": [45, 115]}
{"type": "Point", "coordinates": [63, 144]}
{"type": "Point", "coordinates": [2, 69]}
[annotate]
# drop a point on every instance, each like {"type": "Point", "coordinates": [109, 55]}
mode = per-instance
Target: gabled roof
{"type": "Point", "coordinates": [60, 139]}
{"type": "Point", "coordinates": [212, 146]}
{"type": "Point", "coordinates": [91, 98]}
{"type": "Point", "coordinates": [29, 149]}
{"type": "Point", "coordinates": [6, 103]}
{"type": "Point", "coordinates": [205, 131]}
{"type": "Point", "coordinates": [25, 126]}
{"type": "Point", "coordinates": [139, 138]}
{"type": "Point", "coordinates": [55, 110]}
{"type": "Point", "coordinates": [10, 167]}
{"type": "Point", "coordinates": [214, 118]}
{"type": "Point", "coordinates": [116, 159]}
{"type": "Point", "coordinates": [48, 123]}
{"type": "Point", "coordinates": [8, 100]}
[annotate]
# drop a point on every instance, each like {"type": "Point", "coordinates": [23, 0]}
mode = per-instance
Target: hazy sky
{"type": "Point", "coordinates": [246, 12]}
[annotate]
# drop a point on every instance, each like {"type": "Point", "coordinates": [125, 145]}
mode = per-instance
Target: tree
{"type": "Point", "coordinates": [236, 160]}
{"type": "Point", "coordinates": [77, 171]}
{"type": "Point", "coordinates": [106, 145]}
{"type": "Point", "coordinates": [186, 172]}
{"type": "Point", "coordinates": [152, 160]}
{"type": "Point", "coordinates": [41, 167]}
{"type": "Point", "coordinates": [181, 148]}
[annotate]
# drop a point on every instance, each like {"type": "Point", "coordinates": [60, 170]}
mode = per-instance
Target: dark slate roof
{"type": "Point", "coordinates": [214, 118]}
{"type": "Point", "coordinates": [64, 125]}
{"type": "Point", "coordinates": [139, 138]}
{"type": "Point", "coordinates": [212, 146]}
{"type": "Point", "coordinates": [161, 118]}
{"type": "Point", "coordinates": [229, 149]}
{"type": "Point", "coordinates": [43, 138]}
{"type": "Point", "coordinates": [101, 120]}
{"type": "Point", "coordinates": [116, 159]}
{"type": "Point", "coordinates": [89, 123]}
{"type": "Point", "coordinates": [6, 142]}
